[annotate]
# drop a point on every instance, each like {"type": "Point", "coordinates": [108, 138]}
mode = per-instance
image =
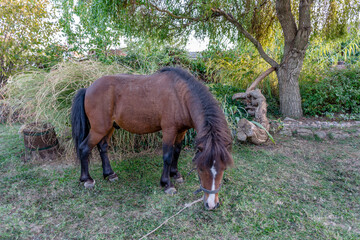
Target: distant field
{"type": "Point", "coordinates": [297, 189]}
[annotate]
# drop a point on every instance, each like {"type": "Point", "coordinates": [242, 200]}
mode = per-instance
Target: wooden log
{"type": "Point", "coordinates": [256, 106]}
{"type": "Point", "coordinates": [248, 131]}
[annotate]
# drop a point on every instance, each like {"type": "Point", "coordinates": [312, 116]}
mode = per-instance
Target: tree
{"type": "Point", "coordinates": [256, 21]}
{"type": "Point", "coordinates": [92, 31]}
{"type": "Point", "coordinates": [25, 32]}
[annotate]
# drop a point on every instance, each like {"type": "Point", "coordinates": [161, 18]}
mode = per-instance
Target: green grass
{"type": "Point", "coordinates": [297, 189]}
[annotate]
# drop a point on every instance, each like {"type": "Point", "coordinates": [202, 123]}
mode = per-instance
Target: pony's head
{"type": "Point", "coordinates": [211, 160]}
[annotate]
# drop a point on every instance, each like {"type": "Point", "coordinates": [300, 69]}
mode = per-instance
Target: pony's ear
{"type": "Point", "coordinates": [228, 159]}
{"type": "Point", "coordinates": [196, 156]}
{"type": "Point", "coordinates": [199, 148]}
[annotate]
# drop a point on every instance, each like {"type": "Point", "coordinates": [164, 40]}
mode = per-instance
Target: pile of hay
{"type": "Point", "coordinates": [40, 96]}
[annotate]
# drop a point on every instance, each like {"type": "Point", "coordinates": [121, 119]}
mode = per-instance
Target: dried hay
{"type": "Point", "coordinates": [40, 96]}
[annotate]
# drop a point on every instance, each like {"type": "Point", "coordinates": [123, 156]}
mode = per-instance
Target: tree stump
{"type": "Point", "coordinates": [257, 107]}
{"type": "Point", "coordinates": [40, 141]}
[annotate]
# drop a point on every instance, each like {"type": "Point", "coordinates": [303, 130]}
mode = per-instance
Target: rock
{"type": "Point", "coordinates": [320, 134]}
{"type": "Point", "coordinates": [286, 132]}
{"type": "Point", "coordinates": [241, 136]}
{"type": "Point", "coordinates": [338, 135]}
{"type": "Point", "coordinates": [304, 132]}
{"type": "Point", "coordinates": [357, 133]}
{"type": "Point", "coordinates": [287, 119]}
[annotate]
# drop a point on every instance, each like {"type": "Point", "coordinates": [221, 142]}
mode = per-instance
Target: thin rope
{"type": "Point", "coordinates": [186, 206]}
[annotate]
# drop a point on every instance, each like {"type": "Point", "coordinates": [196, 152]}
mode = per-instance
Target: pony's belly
{"type": "Point", "coordinates": [142, 130]}
{"type": "Point", "coordinates": [139, 127]}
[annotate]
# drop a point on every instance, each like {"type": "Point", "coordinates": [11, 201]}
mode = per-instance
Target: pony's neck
{"type": "Point", "coordinates": [198, 117]}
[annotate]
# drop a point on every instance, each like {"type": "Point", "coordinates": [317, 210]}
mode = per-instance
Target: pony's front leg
{"type": "Point", "coordinates": [168, 151]}
{"type": "Point", "coordinates": [174, 172]}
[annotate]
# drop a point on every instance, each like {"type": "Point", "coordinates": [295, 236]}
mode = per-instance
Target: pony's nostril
{"type": "Point", "coordinates": [206, 205]}
{"type": "Point", "coordinates": [217, 205]}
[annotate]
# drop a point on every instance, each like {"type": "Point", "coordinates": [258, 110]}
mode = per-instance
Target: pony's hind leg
{"type": "Point", "coordinates": [103, 146]}
{"type": "Point", "coordinates": [84, 151]}
{"type": "Point", "coordinates": [174, 173]}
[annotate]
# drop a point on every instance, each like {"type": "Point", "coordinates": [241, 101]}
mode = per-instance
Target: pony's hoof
{"type": "Point", "coordinates": [170, 190]}
{"type": "Point", "coordinates": [89, 184]}
{"type": "Point", "coordinates": [112, 178]}
{"type": "Point", "coordinates": [179, 180]}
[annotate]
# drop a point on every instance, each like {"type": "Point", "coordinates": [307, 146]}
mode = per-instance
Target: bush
{"type": "Point", "coordinates": [333, 92]}
{"type": "Point", "coordinates": [234, 110]}
{"type": "Point", "coordinates": [147, 60]}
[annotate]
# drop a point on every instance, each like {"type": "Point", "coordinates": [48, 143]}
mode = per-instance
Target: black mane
{"type": "Point", "coordinates": [214, 141]}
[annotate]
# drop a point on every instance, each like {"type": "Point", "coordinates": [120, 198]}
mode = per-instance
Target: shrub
{"type": "Point", "coordinates": [234, 110]}
{"type": "Point", "coordinates": [147, 60]}
{"type": "Point", "coordinates": [333, 92]}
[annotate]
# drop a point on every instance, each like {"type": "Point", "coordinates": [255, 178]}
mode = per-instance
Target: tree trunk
{"type": "Point", "coordinates": [289, 91]}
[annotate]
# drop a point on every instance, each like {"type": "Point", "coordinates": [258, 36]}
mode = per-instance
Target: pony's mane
{"type": "Point", "coordinates": [214, 141]}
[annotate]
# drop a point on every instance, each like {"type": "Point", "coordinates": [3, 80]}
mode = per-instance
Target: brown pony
{"type": "Point", "coordinates": [171, 100]}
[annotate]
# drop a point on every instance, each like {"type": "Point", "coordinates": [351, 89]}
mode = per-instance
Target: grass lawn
{"type": "Point", "coordinates": [297, 189]}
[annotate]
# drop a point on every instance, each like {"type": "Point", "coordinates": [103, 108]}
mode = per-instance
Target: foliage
{"type": "Point", "coordinates": [84, 30]}
{"type": "Point", "coordinates": [149, 59]}
{"type": "Point", "coordinates": [237, 67]}
{"type": "Point", "coordinates": [173, 20]}
{"type": "Point", "coordinates": [257, 21]}
{"type": "Point", "coordinates": [25, 35]}
{"type": "Point", "coordinates": [324, 53]}
{"type": "Point", "coordinates": [336, 91]}
{"type": "Point", "coordinates": [234, 110]}
{"type": "Point", "coordinates": [331, 18]}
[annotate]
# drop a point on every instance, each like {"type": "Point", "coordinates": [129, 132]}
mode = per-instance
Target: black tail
{"type": "Point", "coordinates": [79, 122]}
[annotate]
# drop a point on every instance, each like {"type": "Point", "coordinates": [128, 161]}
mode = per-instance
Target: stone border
{"type": "Point", "coordinates": [320, 130]}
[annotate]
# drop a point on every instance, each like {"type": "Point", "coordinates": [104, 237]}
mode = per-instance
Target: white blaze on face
{"type": "Point", "coordinates": [211, 198]}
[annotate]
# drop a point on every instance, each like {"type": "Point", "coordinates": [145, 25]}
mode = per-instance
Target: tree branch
{"type": "Point", "coordinates": [256, 43]}
{"type": "Point", "coordinates": [302, 36]}
{"type": "Point", "coordinates": [258, 79]}
{"type": "Point", "coordinates": [287, 21]}
{"type": "Point", "coordinates": [172, 14]}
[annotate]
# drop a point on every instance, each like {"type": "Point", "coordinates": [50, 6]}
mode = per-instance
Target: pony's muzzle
{"type": "Point", "coordinates": [210, 205]}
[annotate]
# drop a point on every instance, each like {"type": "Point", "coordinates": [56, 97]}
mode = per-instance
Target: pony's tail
{"type": "Point", "coordinates": [79, 121]}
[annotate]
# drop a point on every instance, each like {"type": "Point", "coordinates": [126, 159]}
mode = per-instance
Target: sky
{"type": "Point", "coordinates": [196, 45]}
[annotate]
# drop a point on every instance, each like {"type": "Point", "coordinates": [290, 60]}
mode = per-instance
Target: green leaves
{"type": "Point", "coordinates": [25, 30]}
{"type": "Point", "coordinates": [336, 92]}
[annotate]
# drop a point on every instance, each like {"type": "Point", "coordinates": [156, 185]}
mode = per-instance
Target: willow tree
{"type": "Point", "coordinates": [25, 31]}
{"type": "Point", "coordinates": [238, 20]}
